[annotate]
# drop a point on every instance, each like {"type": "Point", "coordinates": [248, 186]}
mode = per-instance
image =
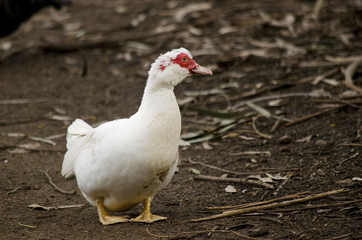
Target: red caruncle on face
{"type": "Point", "coordinates": [184, 61]}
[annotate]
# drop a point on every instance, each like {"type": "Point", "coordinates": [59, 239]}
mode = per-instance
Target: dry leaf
{"type": "Point", "coordinates": [275, 103]}
{"type": "Point", "coordinates": [246, 138]}
{"type": "Point", "coordinates": [263, 179]}
{"type": "Point", "coordinates": [276, 176]}
{"type": "Point", "coordinates": [305, 139]}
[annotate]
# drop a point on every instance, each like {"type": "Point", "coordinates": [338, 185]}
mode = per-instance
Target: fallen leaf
{"type": "Point", "coordinates": [263, 179]}
{"type": "Point", "coordinates": [275, 103]}
{"type": "Point", "coordinates": [305, 139]}
{"type": "Point", "coordinates": [276, 176]}
{"type": "Point", "coordinates": [246, 138]}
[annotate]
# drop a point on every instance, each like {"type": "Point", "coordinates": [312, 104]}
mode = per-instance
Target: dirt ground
{"type": "Point", "coordinates": [277, 111]}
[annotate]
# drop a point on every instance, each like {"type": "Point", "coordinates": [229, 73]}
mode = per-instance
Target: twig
{"type": "Point", "coordinates": [225, 170]}
{"type": "Point", "coordinates": [350, 144]}
{"type": "Point", "coordinates": [247, 237]}
{"type": "Point", "coordinates": [55, 186]}
{"type": "Point", "coordinates": [344, 102]}
{"type": "Point", "coordinates": [204, 231]}
{"type": "Point", "coordinates": [21, 121]}
{"type": "Point", "coordinates": [37, 206]}
{"type": "Point", "coordinates": [282, 184]}
{"type": "Point", "coordinates": [345, 160]}
{"type": "Point", "coordinates": [246, 205]}
{"type": "Point", "coordinates": [216, 168]}
{"type": "Point", "coordinates": [235, 180]}
{"type": "Point", "coordinates": [317, 8]}
{"type": "Point", "coordinates": [277, 96]}
{"type": "Point", "coordinates": [267, 153]}
{"type": "Point", "coordinates": [35, 149]}
{"type": "Point", "coordinates": [302, 119]}
{"type": "Point", "coordinates": [243, 173]}
{"type": "Point", "coordinates": [263, 135]}
{"type": "Point", "coordinates": [26, 225]}
{"type": "Point", "coordinates": [348, 74]}
{"type": "Point", "coordinates": [269, 206]}
{"type": "Point", "coordinates": [344, 236]}
{"type": "Point", "coordinates": [318, 206]}
{"type": "Point", "coordinates": [14, 190]}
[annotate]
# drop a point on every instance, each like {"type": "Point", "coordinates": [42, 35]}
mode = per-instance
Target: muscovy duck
{"type": "Point", "coordinates": [126, 161]}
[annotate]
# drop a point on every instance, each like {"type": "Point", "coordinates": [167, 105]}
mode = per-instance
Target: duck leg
{"type": "Point", "coordinates": [146, 216]}
{"type": "Point", "coordinates": [106, 219]}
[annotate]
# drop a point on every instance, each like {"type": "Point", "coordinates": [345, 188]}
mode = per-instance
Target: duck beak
{"type": "Point", "coordinates": [201, 70]}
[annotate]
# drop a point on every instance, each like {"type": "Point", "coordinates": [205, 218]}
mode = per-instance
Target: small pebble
{"type": "Point", "coordinates": [321, 143]}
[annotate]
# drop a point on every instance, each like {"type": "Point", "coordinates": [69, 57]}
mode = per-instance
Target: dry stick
{"type": "Point", "coordinates": [53, 184]}
{"type": "Point", "coordinates": [344, 102]}
{"type": "Point", "coordinates": [344, 236]}
{"type": "Point", "coordinates": [217, 168]}
{"type": "Point", "coordinates": [14, 190]}
{"type": "Point", "coordinates": [349, 72]}
{"type": "Point", "coordinates": [317, 8]}
{"type": "Point", "coordinates": [246, 205]}
{"type": "Point", "coordinates": [40, 149]}
{"type": "Point", "coordinates": [37, 206]}
{"type": "Point", "coordinates": [244, 236]}
{"type": "Point", "coordinates": [282, 184]}
{"type": "Point", "coordinates": [345, 160]}
{"type": "Point", "coordinates": [203, 231]}
{"type": "Point", "coordinates": [269, 206]}
{"type": "Point", "coordinates": [350, 144]}
{"type": "Point", "coordinates": [241, 173]}
{"type": "Point", "coordinates": [312, 115]}
{"type": "Point", "coordinates": [293, 94]}
{"type": "Point", "coordinates": [263, 135]}
{"type": "Point", "coordinates": [234, 180]}
{"type": "Point", "coordinates": [318, 206]}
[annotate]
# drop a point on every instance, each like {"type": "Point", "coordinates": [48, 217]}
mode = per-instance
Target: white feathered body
{"type": "Point", "coordinates": [127, 160]}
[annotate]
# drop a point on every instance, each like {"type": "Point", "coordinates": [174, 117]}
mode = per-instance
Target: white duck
{"type": "Point", "coordinates": [126, 161]}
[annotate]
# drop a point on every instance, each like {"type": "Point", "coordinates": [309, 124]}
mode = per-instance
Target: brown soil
{"type": "Point", "coordinates": [97, 70]}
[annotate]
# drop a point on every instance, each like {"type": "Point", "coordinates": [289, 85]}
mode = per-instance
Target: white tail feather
{"type": "Point", "coordinates": [79, 133]}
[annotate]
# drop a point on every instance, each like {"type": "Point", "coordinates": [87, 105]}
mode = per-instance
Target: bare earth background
{"type": "Point", "coordinates": [275, 63]}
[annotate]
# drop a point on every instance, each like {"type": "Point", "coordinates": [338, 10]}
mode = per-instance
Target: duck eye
{"type": "Point", "coordinates": [184, 59]}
